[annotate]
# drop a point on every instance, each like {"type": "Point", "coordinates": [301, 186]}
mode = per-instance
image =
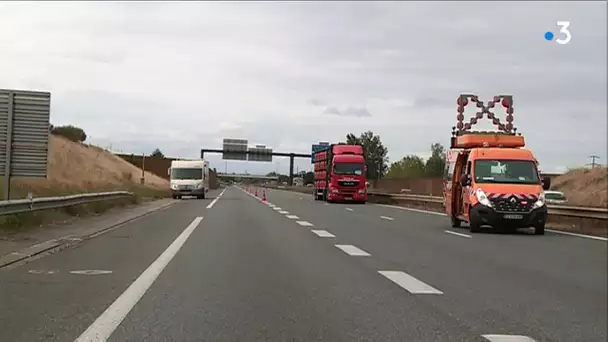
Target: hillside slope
{"type": "Point", "coordinates": [75, 167]}
{"type": "Point", "coordinates": [584, 187]}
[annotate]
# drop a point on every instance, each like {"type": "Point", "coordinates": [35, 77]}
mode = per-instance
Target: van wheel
{"type": "Point", "coordinates": [174, 197]}
{"type": "Point", "coordinates": [455, 222]}
{"type": "Point", "coordinates": [539, 230]}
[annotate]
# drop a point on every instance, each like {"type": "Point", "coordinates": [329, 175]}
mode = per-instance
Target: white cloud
{"type": "Point", "coordinates": [183, 75]}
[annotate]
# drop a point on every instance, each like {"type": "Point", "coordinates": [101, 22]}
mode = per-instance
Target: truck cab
{"type": "Point", "coordinates": [189, 178]}
{"type": "Point", "coordinates": [490, 179]}
{"type": "Point", "coordinates": [340, 174]}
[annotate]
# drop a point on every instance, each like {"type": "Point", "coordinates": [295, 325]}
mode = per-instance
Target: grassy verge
{"type": "Point", "coordinates": [19, 222]}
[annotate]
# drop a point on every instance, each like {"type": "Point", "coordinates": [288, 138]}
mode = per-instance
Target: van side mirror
{"type": "Point", "coordinates": [169, 172]}
{"type": "Point", "coordinates": [546, 183]}
{"type": "Point", "coordinates": [465, 180]}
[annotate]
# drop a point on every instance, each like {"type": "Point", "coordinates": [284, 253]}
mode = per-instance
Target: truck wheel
{"type": "Point", "coordinates": [455, 222]}
{"type": "Point", "coordinates": [539, 230]}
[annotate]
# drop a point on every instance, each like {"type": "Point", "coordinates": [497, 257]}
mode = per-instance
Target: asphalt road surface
{"type": "Point", "coordinates": [232, 268]}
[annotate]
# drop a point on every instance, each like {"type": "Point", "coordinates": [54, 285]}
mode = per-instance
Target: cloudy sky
{"type": "Point", "coordinates": [183, 76]}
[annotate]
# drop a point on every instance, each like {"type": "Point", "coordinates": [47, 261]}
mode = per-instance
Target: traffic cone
{"type": "Point", "coordinates": [264, 196]}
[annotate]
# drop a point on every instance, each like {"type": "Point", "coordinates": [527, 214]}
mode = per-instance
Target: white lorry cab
{"type": "Point", "coordinates": [189, 178]}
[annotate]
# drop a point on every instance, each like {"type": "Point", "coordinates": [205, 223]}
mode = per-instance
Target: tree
{"type": "Point", "coordinates": [375, 153]}
{"type": "Point", "coordinates": [157, 153]}
{"type": "Point", "coordinates": [70, 132]}
{"type": "Point", "coordinates": [409, 167]}
{"type": "Point", "coordinates": [309, 178]}
{"type": "Point", "coordinates": [436, 163]}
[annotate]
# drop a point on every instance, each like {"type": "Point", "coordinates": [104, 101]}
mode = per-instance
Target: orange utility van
{"type": "Point", "coordinates": [490, 178]}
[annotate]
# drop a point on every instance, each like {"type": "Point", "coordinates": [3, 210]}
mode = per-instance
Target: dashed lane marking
{"type": "Point", "coordinates": [304, 223]}
{"type": "Point", "coordinates": [283, 212]}
{"type": "Point", "coordinates": [323, 233]}
{"type": "Point", "coordinates": [409, 283]}
{"type": "Point", "coordinates": [352, 250]}
{"type": "Point", "coordinates": [458, 234]}
{"type": "Point", "coordinates": [349, 209]}
{"type": "Point", "coordinates": [293, 217]}
{"type": "Point", "coordinates": [508, 338]}
{"type": "Point", "coordinates": [277, 208]}
{"type": "Point", "coordinates": [387, 218]}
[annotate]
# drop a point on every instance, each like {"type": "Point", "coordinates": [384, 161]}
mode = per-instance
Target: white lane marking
{"type": "Point", "coordinates": [215, 200]}
{"type": "Point", "coordinates": [457, 234]}
{"type": "Point", "coordinates": [411, 209]}
{"type": "Point", "coordinates": [409, 283]}
{"type": "Point", "coordinates": [305, 223]}
{"type": "Point", "coordinates": [323, 233]}
{"type": "Point", "coordinates": [41, 272]}
{"type": "Point", "coordinates": [387, 218]}
{"type": "Point", "coordinates": [91, 272]}
{"type": "Point", "coordinates": [109, 320]}
{"type": "Point", "coordinates": [508, 338]}
{"type": "Point", "coordinates": [599, 238]}
{"type": "Point", "coordinates": [283, 212]}
{"type": "Point", "coordinates": [349, 209]}
{"type": "Point", "coordinates": [293, 217]}
{"type": "Point", "coordinates": [326, 203]}
{"type": "Point", "coordinates": [578, 235]}
{"type": "Point", "coordinates": [352, 250]}
{"type": "Point", "coordinates": [276, 208]}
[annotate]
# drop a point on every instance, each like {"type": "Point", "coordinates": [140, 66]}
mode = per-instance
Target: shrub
{"type": "Point", "coordinates": [70, 132]}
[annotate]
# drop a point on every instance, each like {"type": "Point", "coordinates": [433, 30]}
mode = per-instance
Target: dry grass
{"type": "Point", "coordinates": [584, 187]}
{"type": "Point", "coordinates": [80, 168]}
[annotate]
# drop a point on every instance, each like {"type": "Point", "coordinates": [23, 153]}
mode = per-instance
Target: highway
{"type": "Point", "coordinates": [232, 268]}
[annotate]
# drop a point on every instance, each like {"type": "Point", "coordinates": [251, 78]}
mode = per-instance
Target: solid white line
{"type": "Point", "coordinates": [215, 200]}
{"type": "Point", "coordinates": [458, 234]}
{"type": "Point", "coordinates": [323, 233]}
{"type": "Point", "coordinates": [349, 209]}
{"type": "Point", "coordinates": [304, 223]}
{"type": "Point", "coordinates": [109, 320]}
{"type": "Point", "coordinates": [578, 235]}
{"type": "Point", "coordinates": [508, 338]}
{"type": "Point", "coordinates": [276, 208]}
{"type": "Point", "coordinates": [352, 250]}
{"type": "Point", "coordinates": [387, 218]}
{"type": "Point", "coordinates": [293, 217]}
{"type": "Point", "coordinates": [283, 212]}
{"type": "Point", "coordinates": [409, 283]}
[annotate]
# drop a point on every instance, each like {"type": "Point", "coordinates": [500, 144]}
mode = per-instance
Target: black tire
{"type": "Point", "coordinates": [203, 196]}
{"type": "Point", "coordinates": [539, 230]}
{"type": "Point", "coordinates": [179, 197]}
{"type": "Point", "coordinates": [455, 222]}
{"type": "Point", "coordinates": [174, 197]}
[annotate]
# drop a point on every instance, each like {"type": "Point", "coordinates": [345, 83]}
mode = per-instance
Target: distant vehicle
{"type": "Point", "coordinates": [555, 197]}
{"type": "Point", "coordinates": [490, 179]}
{"type": "Point", "coordinates": [340, 174]}
{"type": "Point", "coordinates": [189, 178]}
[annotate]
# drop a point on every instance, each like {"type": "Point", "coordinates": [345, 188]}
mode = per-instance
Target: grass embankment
{"type": "Point", "coordinates": [76, 168]}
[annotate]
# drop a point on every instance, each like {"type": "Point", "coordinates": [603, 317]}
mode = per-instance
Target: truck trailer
{"type": "Point", "coordinates": [340, 174]}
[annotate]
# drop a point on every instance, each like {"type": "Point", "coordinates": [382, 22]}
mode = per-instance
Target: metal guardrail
{"type": "Point", "coordinates": [558, 210]}
{"type": "Point", "coordinates": [44, 203]}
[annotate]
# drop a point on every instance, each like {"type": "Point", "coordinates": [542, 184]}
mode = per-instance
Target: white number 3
{"type": "Point", "coordinates": [564, 29]}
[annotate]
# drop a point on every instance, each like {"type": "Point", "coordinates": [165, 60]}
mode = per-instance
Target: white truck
{"type": "Point", "coordinates": [189, 178]}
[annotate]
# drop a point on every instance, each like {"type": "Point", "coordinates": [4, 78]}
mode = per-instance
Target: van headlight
{"type": "Point", "coordinates": [541, 200]}
{"type": "Point", "coordinates": [482, 198]}
{"type": "Point", "coordinates": [174, 186]}
{"type": "Point", "coordinates": [199, 186]}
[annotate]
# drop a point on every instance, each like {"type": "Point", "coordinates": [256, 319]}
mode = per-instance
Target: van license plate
{"type": "Point", "coordinates": [513, 217]}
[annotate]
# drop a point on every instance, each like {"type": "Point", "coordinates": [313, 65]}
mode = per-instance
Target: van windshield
{"type": "Point", "coordinates": [186, 173]}
{"type": "Point", "coordinates": [506, 171]}
{"type": "Point", "coordinates": [348, 169]}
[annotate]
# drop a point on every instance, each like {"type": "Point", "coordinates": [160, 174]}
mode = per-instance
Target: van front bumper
{"type": "Point", "coordinates": [484, 215]}
{"type": "Point", "coordinates": [188, 192]}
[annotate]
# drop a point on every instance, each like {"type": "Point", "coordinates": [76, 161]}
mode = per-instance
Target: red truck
{"type": "Point", "coordinates": [340, 174]}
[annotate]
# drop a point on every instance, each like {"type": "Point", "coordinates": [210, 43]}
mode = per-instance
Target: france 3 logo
{"type": "Point", "coordinates": [565, 35]}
